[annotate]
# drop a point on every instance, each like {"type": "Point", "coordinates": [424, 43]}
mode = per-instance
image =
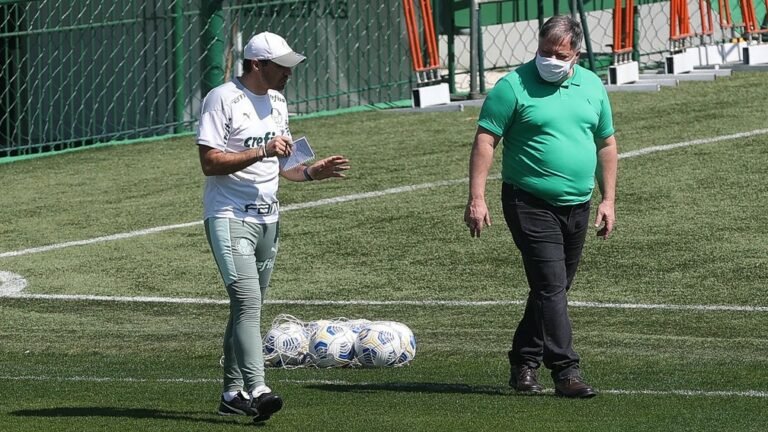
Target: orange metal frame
{"type": "Point", "coordinates": [680, 20]}
{"type": "Point", "coordinates": [414, 39]}
{"type": "Point", "coordinates": [751, 24]}
{"type": "Point", "coordinates": [707, 23]}
{"type": "Point", "coordinates": [748, 12]}
{"type": "Point", "coordinates": [726, 21]}
{"type": "Point", "coordinates": [623, 27]}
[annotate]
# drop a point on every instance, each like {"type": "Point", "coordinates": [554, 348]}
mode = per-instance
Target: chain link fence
{"type": "Point", "coordinates": [509, 33]}
{"type": "Point", "coordinates": [82, 72]}
{"type": "Point", "coordinates": [77, 73]}
{"type": "Point", "coordinates": [357, 50]}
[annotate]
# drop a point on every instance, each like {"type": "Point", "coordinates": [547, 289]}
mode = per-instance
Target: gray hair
{"type": "Point", "coordinates": [559, 28]}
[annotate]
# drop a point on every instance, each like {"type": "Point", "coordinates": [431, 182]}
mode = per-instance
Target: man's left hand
{"type": "Point", "coordinates": [605, 217]}
{"type": "Point", "coordinates": [333, 166]}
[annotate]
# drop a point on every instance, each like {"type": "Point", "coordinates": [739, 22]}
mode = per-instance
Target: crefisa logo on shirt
{"type": "Point", "coordinates": [252, 142]}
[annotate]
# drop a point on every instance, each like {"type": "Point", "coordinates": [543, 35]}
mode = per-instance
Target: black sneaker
{"type": "Point", "coordinates": [239, 405]}
{"type": "Point", "coordinates": [265, 405]}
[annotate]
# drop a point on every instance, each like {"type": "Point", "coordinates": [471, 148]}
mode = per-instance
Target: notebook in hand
{"type": "Point", "coordinates": [301, 153]}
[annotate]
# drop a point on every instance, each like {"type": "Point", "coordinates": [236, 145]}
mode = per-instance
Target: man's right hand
{"type": "Point", "coordinates": [476, 216]}
{"type": "Point", "coordinates": [279, 146]}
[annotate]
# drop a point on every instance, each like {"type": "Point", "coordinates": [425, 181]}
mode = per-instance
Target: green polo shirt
{"type": "Point", "coordinates": [549, 131]}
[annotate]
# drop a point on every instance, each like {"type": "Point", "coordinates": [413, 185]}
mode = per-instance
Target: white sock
{"type": "Point", "coordinates": [228, 396]}
{"type": "Point", "coordinates": [260, 390]}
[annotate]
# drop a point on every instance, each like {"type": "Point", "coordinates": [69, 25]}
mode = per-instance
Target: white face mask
{"type": "Point", "coordinates": [552, 69]}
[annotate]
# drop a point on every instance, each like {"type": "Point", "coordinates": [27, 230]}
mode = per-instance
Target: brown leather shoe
{"type": "Point", "coordinates": [574, 387]}
{"type": "Point", "coordinates": [525, 379]}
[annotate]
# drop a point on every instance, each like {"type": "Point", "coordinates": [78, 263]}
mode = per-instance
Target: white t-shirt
{"type": "Point", "coordinates": [233, 119]}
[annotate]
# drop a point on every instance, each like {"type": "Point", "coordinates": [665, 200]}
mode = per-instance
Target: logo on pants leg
{"type": "Point", "coordinates": [264, 265]}
{"type": "Point", "coordinates": [244, 247]}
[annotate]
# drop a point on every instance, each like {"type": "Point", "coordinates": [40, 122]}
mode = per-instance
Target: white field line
{"type": "Point", "coordinates": [109, 379]}
{"type": "Point", "coordinates": [361, 196]}
{"type": "Point", "coordinates": [458, 303]}
{"type": "Point", "coordinates": [705, 393]}
{"type": "Point", "coordinates": [628, 392]}
{"type": "Point", "coordinates": [10, 287]}
{"type": "Point", "coordinates": [655, 149]}
{"type": "Point", "coordinates": [97, 239]}
{"type": "Point", "coordinates": [290, 207]}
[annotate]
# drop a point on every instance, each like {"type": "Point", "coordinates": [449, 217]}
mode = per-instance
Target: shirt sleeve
{"type": "Point", "coordinates": [215, 123]}
{"type": "Point", "coordinates": [498, 110]}
{"type": "Point", "coordinates": [605, 122]}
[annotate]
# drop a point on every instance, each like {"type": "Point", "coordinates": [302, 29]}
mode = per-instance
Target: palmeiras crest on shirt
{"type": "Point", "coordinates": [279, 119]}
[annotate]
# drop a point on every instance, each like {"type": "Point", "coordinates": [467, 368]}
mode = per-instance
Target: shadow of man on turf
{"type": "Point", "coordinates": [419, 387]}
{"type": "Point", "coordinates": [144, 413]}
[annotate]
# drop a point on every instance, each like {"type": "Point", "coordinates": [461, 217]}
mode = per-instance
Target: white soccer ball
{"type": "Point", "coordinates": [332, 345]}
{"type": "Point", "coordinates": [378, 345]}
{"type": "Point", "coordinates": [407, 342]}
{"type": "Point", "coordinates": [285, 345]}
{"type": "Point", "coordinates": [311, 328]}
{"type": "Point", "coordinates": [357, 325]}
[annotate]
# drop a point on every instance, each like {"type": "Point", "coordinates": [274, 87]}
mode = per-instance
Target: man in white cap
{"type": "Point", "coordinates": [243, 129]}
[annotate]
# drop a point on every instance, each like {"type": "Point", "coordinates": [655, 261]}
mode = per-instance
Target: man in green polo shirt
{"type": "Point", "coordinates": [555, 120]}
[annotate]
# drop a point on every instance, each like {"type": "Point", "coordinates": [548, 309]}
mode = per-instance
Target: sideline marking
{"type": "Point", "coordinates": [290, 207]}
{"type": "Point", "coordinates": [365, 195]}
{"type": "Point", "coordinates": [459, 303]}
{"type": "Point", "coordinates": [500, 390]}
{"type": "Point", "coordinates": [647, 150]}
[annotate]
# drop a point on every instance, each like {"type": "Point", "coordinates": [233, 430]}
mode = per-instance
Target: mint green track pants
{"type": "Point", "coordinates": [245, 255]}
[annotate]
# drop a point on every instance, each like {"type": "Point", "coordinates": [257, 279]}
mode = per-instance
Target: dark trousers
{"type": "Point", "coordinates": [550, 240]}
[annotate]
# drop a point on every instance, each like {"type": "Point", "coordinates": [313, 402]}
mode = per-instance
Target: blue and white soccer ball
{"type": "Point", "coordinates": [285, 345]}
{"type": "Point", "coordinates": [407, 342]}
{"type": "Point", "coordinates": [378, 345]}
{"type": "Point", "coordinates": [311, 328]}
{"type": "Point", "coordinates": [357, 325]}
{"type": "Point", "coordinates": [333, 345]}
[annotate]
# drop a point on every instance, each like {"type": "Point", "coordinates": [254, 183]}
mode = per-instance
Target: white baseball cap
{"type": "Point", "coordinates": [269, 46]}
